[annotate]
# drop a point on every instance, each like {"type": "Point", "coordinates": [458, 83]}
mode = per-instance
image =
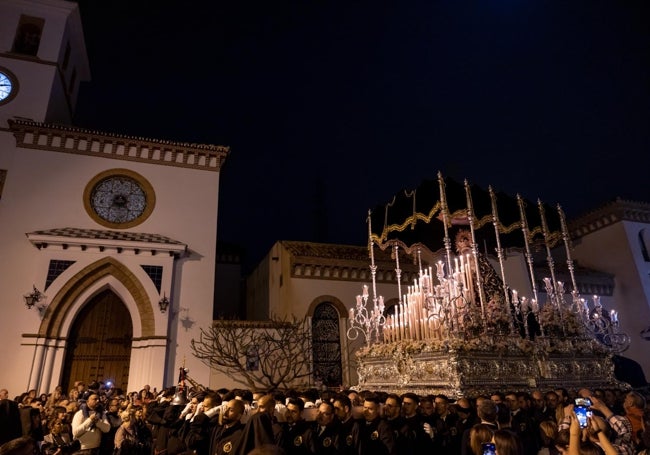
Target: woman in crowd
{"type": "Point", "coordinates": [58, 441]}
{"type": "Point", "coordinates": [507, 443]}
{"type": "Point", "coordinates": [478, 435]}
{"type": "Point", "coordinates": [548, 434]}
{"type": "Point", "coordinates": [126, 441]}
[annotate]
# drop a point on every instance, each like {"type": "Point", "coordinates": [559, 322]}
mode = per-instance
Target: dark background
{"type": "Point", "coordinates": [330, 108]}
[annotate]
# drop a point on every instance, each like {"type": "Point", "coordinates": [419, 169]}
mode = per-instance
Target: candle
{"type": "Point", "coordinates": [471, 278]}
{"type": "Point", "coordinates": [351, 313]}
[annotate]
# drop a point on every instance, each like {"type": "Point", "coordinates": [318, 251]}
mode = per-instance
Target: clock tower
{"type": "Point", "coordinates": [42, 60]}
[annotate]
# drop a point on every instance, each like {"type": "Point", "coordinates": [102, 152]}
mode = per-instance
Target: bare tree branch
{"type": "Point", "coordinates": [264, 355]}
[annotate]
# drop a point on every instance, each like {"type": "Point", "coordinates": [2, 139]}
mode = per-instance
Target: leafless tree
{"type": "Point", "coordinates": [265, 355]}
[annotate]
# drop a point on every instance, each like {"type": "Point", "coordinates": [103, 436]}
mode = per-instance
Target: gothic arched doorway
{"type": "Point", "coordinates": [326, 345]}
{"type": "Point", "coordinates": [99, 344]}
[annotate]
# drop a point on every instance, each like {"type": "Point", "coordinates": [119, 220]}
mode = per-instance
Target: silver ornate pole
{"type": "Point", "coordinates": [398, 273]}
{"type": "Point", "coordinates": [470, 217]}
{"type": "Point", "coordinates": [497, 235]}
{"type": "Point", "coordinates": [529, 255]}
{"type": "Point", "coordinates": [553, 289]}
{"type": "Point", "coordinates": [447, 241]}
{"type": "Point", "coordinates": [445, 218]}
{"type": "Point", "coordinates": [373, 266]}
{"type": "Point", "coordinates": [575, 294]}
{"type": "Point", "coordinates": [549, 257]}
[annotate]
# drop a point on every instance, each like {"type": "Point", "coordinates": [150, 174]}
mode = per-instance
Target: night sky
{"type": "Point", "coordinates": [332, 107]}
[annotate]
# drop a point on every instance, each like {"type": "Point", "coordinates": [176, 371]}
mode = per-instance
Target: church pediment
{"type": "Point", "coordinates": [103, 239]}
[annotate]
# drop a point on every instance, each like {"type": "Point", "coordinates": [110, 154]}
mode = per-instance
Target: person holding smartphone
{"type": "Point", "coordinates": [617, 429]}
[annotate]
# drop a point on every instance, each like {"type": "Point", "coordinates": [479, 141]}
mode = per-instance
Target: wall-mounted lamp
{"type": "Point", "coordinates": [163, 303]}
{"type": "Point", "coordinates": [33, 297]}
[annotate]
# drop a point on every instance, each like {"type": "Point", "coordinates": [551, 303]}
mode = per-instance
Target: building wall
{"type": "Point", "coordinates": [623, 259]}
{"type": "Point", "coordinates": [47, 171]}
{"type": "Point", "coordinates": [44, 190]}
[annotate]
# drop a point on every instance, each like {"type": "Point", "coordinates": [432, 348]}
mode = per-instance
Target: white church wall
{"type": "Point", "coordinates": [630, 293]}
{"type": "Point", "coordinates": [44, 190]}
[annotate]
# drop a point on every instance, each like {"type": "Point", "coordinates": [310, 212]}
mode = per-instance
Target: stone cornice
{"type": "Point", "coordinates": [65, 139]}
{"type": "Point", "coordinates": [344, 263]}
{"type": "Point", "coordinates": [102, 240]}
{"type": "Point", "coordinates": [608, 214]}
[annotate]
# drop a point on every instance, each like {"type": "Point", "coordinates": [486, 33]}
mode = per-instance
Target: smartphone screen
{"type": "Point", "coordinates": [581, 413]}
{"type": "Point", "coordinates": [586, 402]}
{"type": "Point", "coordinates": [489, 448]}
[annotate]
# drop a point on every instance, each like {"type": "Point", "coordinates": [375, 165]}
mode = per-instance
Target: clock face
{"type": "Point", "coordinates": [7, 87]}
{"type": "Point", "coordinates": [119, 198]}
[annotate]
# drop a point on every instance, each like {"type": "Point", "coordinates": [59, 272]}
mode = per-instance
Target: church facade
{"type": "Point", "coordinates": [108, 242]}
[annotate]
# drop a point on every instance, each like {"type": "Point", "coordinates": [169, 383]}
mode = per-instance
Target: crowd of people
{"type": "Point", "coordinates": [102, 420]}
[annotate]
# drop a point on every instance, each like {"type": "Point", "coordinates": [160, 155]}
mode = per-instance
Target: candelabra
{"type": "Point", "coordinates": [368, 321]}
{"type": "Point", "coordinates": [604, 326]}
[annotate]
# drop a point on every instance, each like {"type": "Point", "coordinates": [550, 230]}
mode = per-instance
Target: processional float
{"type": "Point", "coordinates": [461, 327]}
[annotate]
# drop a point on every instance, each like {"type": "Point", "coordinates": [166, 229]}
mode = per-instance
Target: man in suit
{"type": "Point", "coordinates": [486, 410]}
{"type": "Point", "coordinates": [226, 435]}
{"type": "Point", "coordinates": [376, 436]}
{"type": "Point", "coordinates": [325, 438]}
{"type": "Point", "coordinates": [348, 445]}
{"type": "Point", "coordinates": [296, 432]}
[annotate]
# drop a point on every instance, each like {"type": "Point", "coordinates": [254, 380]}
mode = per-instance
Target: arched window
{"type": "Point", "coordinates": [326, 345]}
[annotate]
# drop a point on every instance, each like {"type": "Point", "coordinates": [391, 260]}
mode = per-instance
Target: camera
{"type": "Point", "coordinates": [489, 448]}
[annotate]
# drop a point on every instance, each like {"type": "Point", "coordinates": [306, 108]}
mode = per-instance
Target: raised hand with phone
{"type": "Point", "coordinates": [582, 411]}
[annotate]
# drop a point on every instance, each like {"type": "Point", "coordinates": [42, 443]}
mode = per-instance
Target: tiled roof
{"type": "Point", "coordinates": [72, 129]}
{"type": "Point", "coordinates": [335, 252]}
{"type": "Point", "coordinates": [98, 234]}
{"type": "Point", "coordinates": [63, 139]}
{"type": "Point", "coordinates": [343, 262]}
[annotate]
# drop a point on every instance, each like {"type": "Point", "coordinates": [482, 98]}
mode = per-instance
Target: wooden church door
{"type": "Point", "coordinates": [99, 343]}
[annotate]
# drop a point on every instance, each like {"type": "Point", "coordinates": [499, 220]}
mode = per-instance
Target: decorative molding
{"type": "Point", "coordinates": [96, 239]}
{"type": "Point", "coordinates": [343, 263]}
{"type": "Point", "coordinates": [64, 139]}
{"type": "Point", "coordinates": [609, 214]}
{"type": "Point", "coordinates": [64, 301]}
